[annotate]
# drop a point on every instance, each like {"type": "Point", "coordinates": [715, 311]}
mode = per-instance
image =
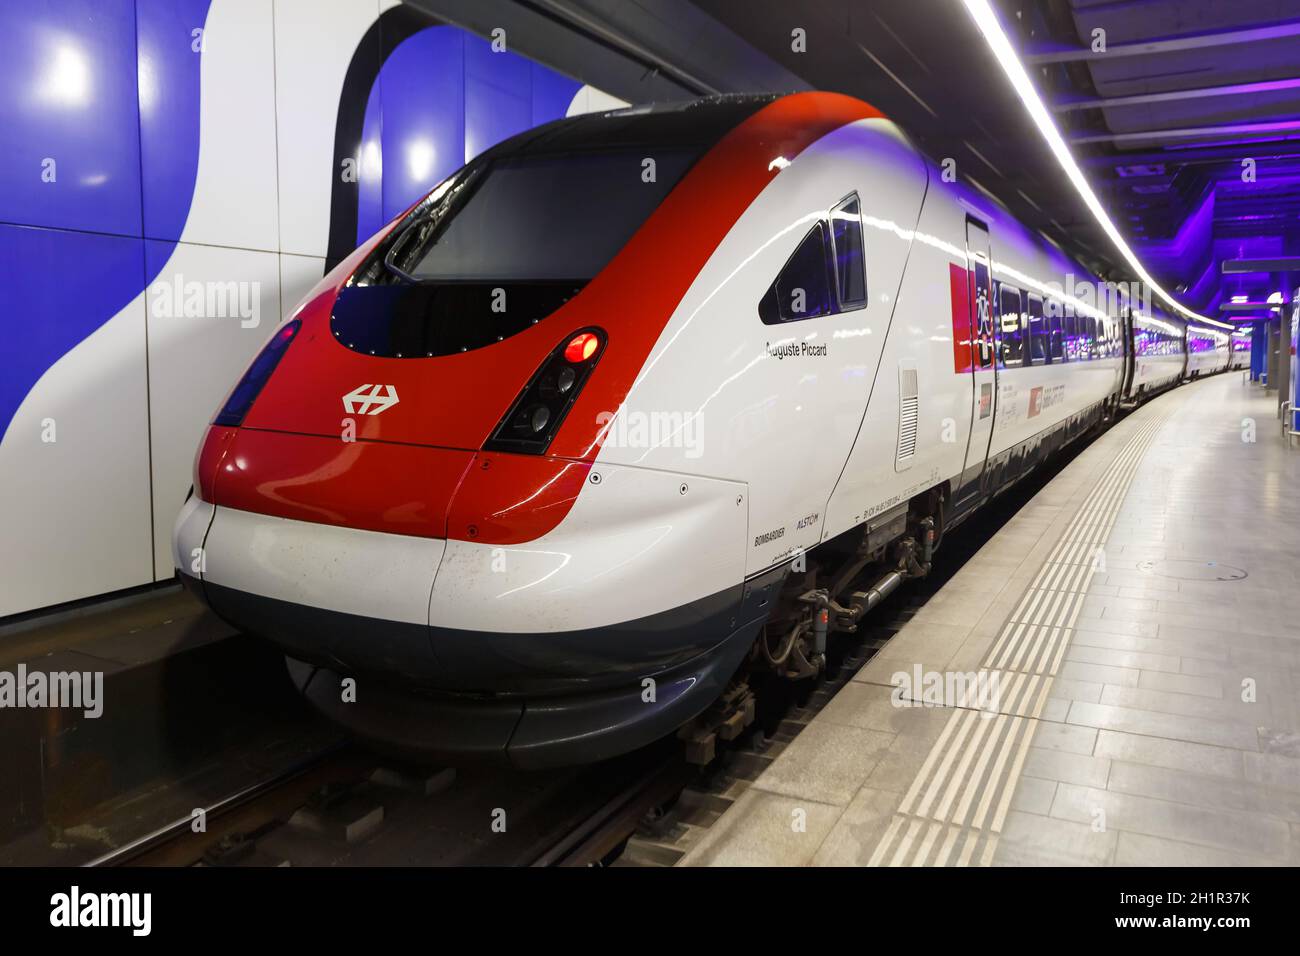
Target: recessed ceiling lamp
{"type": "Point", "coordinates": [981, 12]}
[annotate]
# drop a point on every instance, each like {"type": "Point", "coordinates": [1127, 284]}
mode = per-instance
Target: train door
{"type": "Point", "coordinates": [984, 373]}
{"type": "Point", "coordinates": [1130, 357]}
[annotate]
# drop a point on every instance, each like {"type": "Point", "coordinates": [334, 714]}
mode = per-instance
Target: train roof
{"type": "Point", "coordinates": [690, 124]}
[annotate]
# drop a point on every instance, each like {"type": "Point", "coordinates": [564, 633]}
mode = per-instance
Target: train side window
{"type": "Point", "coordinates": [850, 267]}
{"type": "Point", "coordinates": [1037, 332]}
{"type": "Point", "coordinates": [1089, 347]}
{"type": "Point", "coordinates": [1011, 324]}
{"type": "Point", "coordinates": [802, 289]}
{"type": "Point", "coordinates": [1052, 312]}
{"type": "Point", "coordinates": [1070, 327]}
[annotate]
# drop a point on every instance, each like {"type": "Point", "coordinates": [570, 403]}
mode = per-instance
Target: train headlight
{"type": "Point", "coordinates": [536, 415]}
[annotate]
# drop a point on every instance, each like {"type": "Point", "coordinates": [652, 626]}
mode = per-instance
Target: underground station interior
{"type": "Point", "coordinates": [646, 435]}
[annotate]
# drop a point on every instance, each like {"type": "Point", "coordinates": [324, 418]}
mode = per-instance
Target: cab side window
{"type": "Point", "coordinates": [850, 274]}
{"type": "Point", "coordinates": [825, 274]}
{"type": "Point", "coordinates": [802, 289]}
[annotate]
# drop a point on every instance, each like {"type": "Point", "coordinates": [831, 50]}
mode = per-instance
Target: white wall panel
{"type": "Point", "coordinates": [195, 359]}
{"type": "Point", "coordinates": [235, 200]}
{"type": "Point", "coordinates": [314, 43]}
{"type": "Point", "coordinates": [74, 513]}
{"type": "Point", "coordinates": [298, 274]}
{"type": "Point", "coordinates": [591, 100]}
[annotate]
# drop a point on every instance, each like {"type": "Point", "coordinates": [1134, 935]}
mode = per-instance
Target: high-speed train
{"type": "Point", "coordinates": [633, 406]}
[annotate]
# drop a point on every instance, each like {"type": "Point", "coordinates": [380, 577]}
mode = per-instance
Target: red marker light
{"type": "Point", "coordinates": [581, 347]}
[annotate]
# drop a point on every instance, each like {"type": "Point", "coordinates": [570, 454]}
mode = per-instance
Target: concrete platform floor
{"type": "Point", "coordinates": [1134, 638]}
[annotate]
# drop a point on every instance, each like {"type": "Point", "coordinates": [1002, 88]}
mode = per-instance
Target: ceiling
{"type": "Point", "coordinates": [925, 65]}
{"type": "Point", "coordinates": [1189, 126]}
{"type": "Point", "coordinates": [1161, 121]}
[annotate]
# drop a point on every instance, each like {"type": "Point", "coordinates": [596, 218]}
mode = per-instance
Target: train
{"type": "Point", "coordinates": [636, 406]}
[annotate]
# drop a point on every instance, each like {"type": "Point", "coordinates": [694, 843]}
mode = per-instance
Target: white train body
{"type": "Point", "coordinates": [519, 607]}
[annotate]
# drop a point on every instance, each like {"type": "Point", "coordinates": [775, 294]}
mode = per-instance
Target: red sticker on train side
{"type": "Point", "coordinates": [959, 282]}
{"type": "Point", "coordinates": [1035, 401]}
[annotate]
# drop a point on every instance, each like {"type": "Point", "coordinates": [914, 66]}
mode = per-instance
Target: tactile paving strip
{"type": "Point", "coordinates": [954, 811]}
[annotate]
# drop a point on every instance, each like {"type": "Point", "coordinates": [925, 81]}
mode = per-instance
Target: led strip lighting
{"type": "Point", "coordinates": [982, 13]}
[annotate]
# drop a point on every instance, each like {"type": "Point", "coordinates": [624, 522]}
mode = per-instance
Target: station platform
{"type": "Point", "coordinates": [1130, 654]}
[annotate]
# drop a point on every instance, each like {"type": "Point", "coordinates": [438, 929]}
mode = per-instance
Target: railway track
{"type": "Point", "coordinates": [346, 806]}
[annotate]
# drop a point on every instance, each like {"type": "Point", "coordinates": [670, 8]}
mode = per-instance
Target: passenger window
{"type": "Point", "coordinates": [802, 289]}
{"type": "Point", "coordinates": [846, 235]}
{"type": "Point", "coordinates": [1011, 324]}
{"type": "Point", "coordinates": [1089, 349]}
{"type": "Point", "coordinates": [1070, 326]}
{"type": "Point", "coordinates": [1037, 331]}
{"type": "Point", "coordinates": [1054, 342]}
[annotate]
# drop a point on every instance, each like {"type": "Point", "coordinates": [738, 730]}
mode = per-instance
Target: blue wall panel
{"type": "Point", "coordinates": [498, 96]}
{"type": "Point", "coordinates": [74, 66]}
{"type": "Point", "coordinates": [552, 94]}
{"type": "Point", "coordinates": [68, 72]}
{"type": "Point", "coordinates": [370, 192]}
{"type": "Point", "coordinates": [442, 97]}
{"type": "Point", "coordinates": [59, 286]}
{"type": "Point", "coordinates": [423, 122]}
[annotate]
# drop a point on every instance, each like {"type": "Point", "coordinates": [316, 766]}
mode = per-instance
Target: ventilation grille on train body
{"type": "Point", "coordinates": [909, 410]}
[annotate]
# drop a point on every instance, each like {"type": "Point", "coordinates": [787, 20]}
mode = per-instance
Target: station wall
{"type": "Point", "coordinates": [177, 174]}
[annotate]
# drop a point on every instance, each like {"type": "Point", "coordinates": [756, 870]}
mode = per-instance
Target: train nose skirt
{"type": "Point", "coordinates": [529, 734]}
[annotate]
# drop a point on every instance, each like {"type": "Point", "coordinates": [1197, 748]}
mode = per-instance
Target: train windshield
{"type": "Point", "coordinates": [543, 218]}
{"type": "Point", "coordinates": [506, 244]}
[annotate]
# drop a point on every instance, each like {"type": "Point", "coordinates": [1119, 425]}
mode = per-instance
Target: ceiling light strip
{"type": "Point", "coordinates": [982, 13]}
